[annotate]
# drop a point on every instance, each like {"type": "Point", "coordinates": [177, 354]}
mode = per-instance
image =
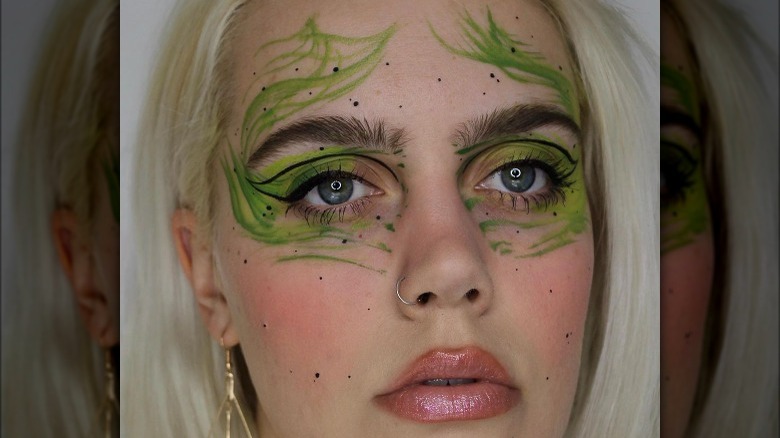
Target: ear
{"type": "Point", "coordinates": [196, 258]}
{"type": "Point", "coordinates": [74, 248]}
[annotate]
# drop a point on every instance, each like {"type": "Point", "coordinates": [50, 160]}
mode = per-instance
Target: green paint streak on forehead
{"type": "Point", "coordinates": [330, 67]}
{"type": "Point", "coordinates": [686, 92]}
{"type": "Point", "coordinates": [495, 46]}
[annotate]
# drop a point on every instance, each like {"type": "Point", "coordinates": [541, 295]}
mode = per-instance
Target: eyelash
{"type": "Point", "coordinates": [558, 172]}
{"type": "Point", "coordinates": [313, 214]}
{"type": "Point", "coordinates": [677, 169]}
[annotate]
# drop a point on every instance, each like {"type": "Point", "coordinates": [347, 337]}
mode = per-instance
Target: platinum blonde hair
{"type": "Point", "coordinates": [51, 374]}
{"type": "Point", "coordinates": [172, 376]}
{"type": "Point", "coordinates": [738, 391]}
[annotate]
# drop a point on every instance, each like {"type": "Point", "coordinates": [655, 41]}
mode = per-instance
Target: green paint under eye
{"type": "Point", "coordinates": [684, 204]}
{"type": "Point", "coordinates": [327, 67]}
{"type": "Point", "coordinates": [493, 45]}
{"type": "Point", "coordinates": [559, 227]}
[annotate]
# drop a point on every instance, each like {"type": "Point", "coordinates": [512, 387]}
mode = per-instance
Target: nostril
{"type": "Point", "coordinates": [472, 294]}
{"type": "Point", "coordinates": [424, 297]}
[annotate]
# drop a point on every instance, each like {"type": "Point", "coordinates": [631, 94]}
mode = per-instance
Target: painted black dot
{"type": "Point", "coordinates": [567, 335]}
{"type": "Point", "coordinates": [295, 250]}
{"type": "Point", "coordinates": [378, 217]}
{"type": "Point", "coordinates": [296, 68]}
{"type": "Point", "coordinates": [483, 93]}
{"type": "Point", "coordinates": [254, 73]}
{"type": "Point", "coordinates": [344, 241]}
{"type": "Point", "coordinates": [268, 207]}
{"type": "Point", "coordinates": [349, 377]}
{"type": "Point", "coordinates": [547, 378]}
{"type": "Point", "coordinates": [317, 375]}
{"type": "Point", "coordinates": [244, 261]}
{"type": "Point", "coordinates": [335, 69]}
{"type": "Point", "coordinates": [356, 103]}
{"type": "Point", "coordinates": [320, 278]}
{"type": "Point", "coordinates": [517, 18]}
{"type": "Point", "coordinates": [439, 79]}
{"type": "Point", "coordinates": [263, 89]}
{"type": "Point", "coordinates": [550, 290]}
{"type": "Point", "coordinates": [322, 148]}
{"type": "Point", "coordinates": [513, 50]}
{"type": "Point", "coordinates": [492, 75]}
{"type": "Point", "coordinates": [264, 109]}
{"type": "Point", "coordinates": [400, 106]}
{"type": "Point", "coordinates": [264, 325]}
{"type": "Point", "coordinates": [555, 213]}
{"type": "Point", "coordinates": [387, 63]}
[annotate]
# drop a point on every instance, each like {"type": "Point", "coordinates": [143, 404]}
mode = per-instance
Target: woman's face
{"type": "Point", "coordinates": [687, 249]}
{"type": "Point", "coordinates": [433, 142]}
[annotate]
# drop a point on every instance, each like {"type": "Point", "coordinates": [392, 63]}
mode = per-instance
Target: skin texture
{"type": "Point", "coordinates": [312, 302]}
{"type": "Point", "coordinates": [687, 249]}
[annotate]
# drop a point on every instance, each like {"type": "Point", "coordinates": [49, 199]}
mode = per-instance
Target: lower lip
{"type": "Point", "coordinates": [433, 404]}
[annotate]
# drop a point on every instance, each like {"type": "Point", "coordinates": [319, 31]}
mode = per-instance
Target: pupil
{"type": "Point", "coordinates": [518, 178]}
{"type": "Point", "coordinates": [336, 190]}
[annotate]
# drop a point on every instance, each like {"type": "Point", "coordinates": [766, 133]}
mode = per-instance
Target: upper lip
{"type": "Point", "coordinates": [455, 363]}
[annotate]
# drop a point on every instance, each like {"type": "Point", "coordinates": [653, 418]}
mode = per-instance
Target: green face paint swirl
{"type": "Point", "coordinates": [684, 205]}
{"type": "Point", "coordinates": [331, 67]}
{"type": "Point", "coordinates": [685, 90]}
{"type": "Point", "coordinates": [327, 67]}
{"type": "Point", "coordinates": [562, 211]}
{"type": "Point", "coordinates": [495, 46]}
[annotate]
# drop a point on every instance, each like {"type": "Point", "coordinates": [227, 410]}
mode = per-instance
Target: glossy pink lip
{"type": "Point", "coordinates": [490, 394]}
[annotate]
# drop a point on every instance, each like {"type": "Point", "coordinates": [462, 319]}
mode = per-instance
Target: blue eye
{"type": "Point", "coordinates": [518, 177]}
{"type": "Point", "coordinates": [335, 190]}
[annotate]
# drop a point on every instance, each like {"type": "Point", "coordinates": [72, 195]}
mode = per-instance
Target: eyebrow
{"type": "Point", "coordinates": [516, 119]}
{"type": "Point", "coordinates": [671, 116]}
{"type": "Point", "coordinates": [330, 130]}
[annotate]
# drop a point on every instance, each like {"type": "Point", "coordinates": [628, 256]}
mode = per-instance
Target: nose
{"type": "Point", "coordinates": [442, 265]}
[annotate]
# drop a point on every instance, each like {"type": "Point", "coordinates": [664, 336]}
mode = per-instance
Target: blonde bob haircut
{"type": "Point", "coordinates": [737, 394]}
{"type": "Point", "coordinates": [172, 377]}
{"type": "Point", "coordinates": [52, 376]}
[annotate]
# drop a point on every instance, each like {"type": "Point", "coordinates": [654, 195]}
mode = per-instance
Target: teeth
{"type": "Point", "coordinates": [449, 382]}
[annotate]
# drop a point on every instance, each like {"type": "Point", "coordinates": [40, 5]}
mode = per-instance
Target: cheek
{"type": "Point", "coordinates": [547, 301]}
{"type": "Point", "coordinates": [297, 322]}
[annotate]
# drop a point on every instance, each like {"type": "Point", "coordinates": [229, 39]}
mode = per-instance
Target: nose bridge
{"type": "Point", "coordinates": [442, 262]}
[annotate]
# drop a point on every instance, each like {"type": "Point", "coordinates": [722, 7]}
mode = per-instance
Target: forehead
{"type": "Point", "coordinates": [413, 40]}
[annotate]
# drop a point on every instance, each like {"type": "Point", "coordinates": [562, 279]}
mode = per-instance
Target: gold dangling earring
{"type": "Point", "coordinates": [108, 413]}
{"type": "Point", "coordinates": [229, 402]}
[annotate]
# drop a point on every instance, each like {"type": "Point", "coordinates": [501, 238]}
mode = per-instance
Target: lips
{"type": "Point", "coordinates": [451, 385]}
